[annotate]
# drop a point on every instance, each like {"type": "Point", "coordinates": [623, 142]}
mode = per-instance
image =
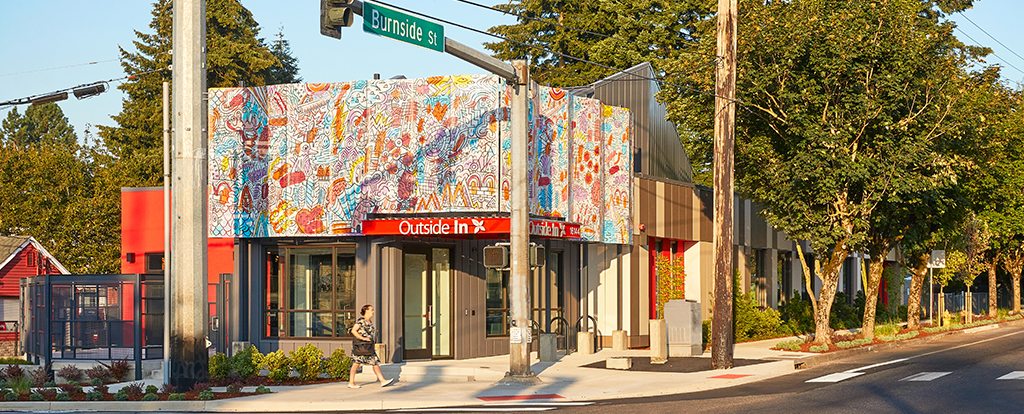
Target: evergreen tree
{"type": "Point", "coordinates": [40, 124]}
{"type": "Point", "coordinates": [287, 71]}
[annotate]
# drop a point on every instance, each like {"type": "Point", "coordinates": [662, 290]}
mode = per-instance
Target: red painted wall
{"type": "Point", "coordinates": [20, 267]}
{"type": "Point", "coordinates": [142, 231]}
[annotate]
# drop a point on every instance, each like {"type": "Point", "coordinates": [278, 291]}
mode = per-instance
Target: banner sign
{"type": "Point", "coordinates": [440, 227]}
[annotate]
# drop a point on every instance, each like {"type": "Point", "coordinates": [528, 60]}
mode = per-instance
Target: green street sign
{"type": "Point", "coordinates": [393, 24]}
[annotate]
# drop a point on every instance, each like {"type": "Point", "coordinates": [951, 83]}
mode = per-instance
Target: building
{"type": "Point", "coordinates": [21, 257]}
{"type": "Point", "coordinates": [326, 197]}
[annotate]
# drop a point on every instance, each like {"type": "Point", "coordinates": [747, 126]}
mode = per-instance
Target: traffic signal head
{"type": "Point", "coordinates": [537, 255]}
{"type": "Point", "coordinates": [496, 257]}
{"type": "Point", "coordinates": [335, 14]}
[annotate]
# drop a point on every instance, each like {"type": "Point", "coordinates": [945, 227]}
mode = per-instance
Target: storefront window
{"type": "Point", "coordinates": [313, 293]}
{"type": "Point", "coordinates": [497, 302]}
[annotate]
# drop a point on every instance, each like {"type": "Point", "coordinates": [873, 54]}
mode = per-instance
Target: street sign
{"type": "Point", "coordinates": [393, 24]}
{"type": "Point", "coordinates": [937, 259]}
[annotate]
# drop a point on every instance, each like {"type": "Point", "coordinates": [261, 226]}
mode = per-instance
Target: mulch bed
{"type": "Point", "coordinates": [806, 347]}
{"type": "Point", "coordinates": [189, 396]}
{"type": "Point", "coordinates": [676, 364]}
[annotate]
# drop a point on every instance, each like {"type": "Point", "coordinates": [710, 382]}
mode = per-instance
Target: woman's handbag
{"type": "Point", "coordinates": [361, 347]}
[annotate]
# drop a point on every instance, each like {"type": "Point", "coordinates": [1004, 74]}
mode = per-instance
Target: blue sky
{"type": "Point", "coordinates": [34, 45]}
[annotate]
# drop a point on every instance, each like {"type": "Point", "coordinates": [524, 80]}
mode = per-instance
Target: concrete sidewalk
{"type": "Point", "coordinates": [471, 382]}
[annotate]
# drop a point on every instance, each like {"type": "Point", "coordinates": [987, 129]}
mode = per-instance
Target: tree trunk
{"type": "Point", "coordinates": [1013, 263]}
{"type": "Point", "coordinates": [914, 301]}
{"type": "Point", "coordinates": [829, 283]}
{"type": "Point", "coordinates": [992, 312]}
{"type": "Point", "coordinates": [875, 267]}
{"type": "Point", "coordinates": [1016, 293]}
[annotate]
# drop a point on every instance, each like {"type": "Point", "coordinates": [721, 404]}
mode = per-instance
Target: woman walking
{"type": "Point", "coordinates": [363, 332]}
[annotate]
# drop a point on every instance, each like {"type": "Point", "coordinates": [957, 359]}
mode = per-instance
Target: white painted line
{"type": "Point", "coordinates": [876, 365]}
{"type": "Point", "coordinates": [1012, 376]}
{"type": "Point", "coordinates": [839, 376]}
{"type": "Point", "coordinates": [926, 376]}
{"type": "Point", "coordinates": [470, 410]}
{"type": "Point", "coordinates": [562, 404]}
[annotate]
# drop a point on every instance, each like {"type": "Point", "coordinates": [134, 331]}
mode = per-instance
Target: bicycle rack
{"type": "Point", "coordinates": [567, 330]}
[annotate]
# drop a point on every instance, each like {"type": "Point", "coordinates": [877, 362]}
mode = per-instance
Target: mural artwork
{"type": "Point", "coordinates": [315, 159]}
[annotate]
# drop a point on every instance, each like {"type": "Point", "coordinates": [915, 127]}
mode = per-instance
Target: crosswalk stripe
{"type": "Point", "coordinates": [557, 404]}
{"type": "Point", "coordinates": [839, 376]}
{"type": "Point", "coordinates": [926, 376]}
{"type": "Point", "coordinates": [1012, 376]}
{"type": "Point", "coordinates": [470, 410]}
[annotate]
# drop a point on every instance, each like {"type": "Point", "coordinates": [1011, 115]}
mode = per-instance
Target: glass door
{"type": "Point", "coordinates": [427, 303]}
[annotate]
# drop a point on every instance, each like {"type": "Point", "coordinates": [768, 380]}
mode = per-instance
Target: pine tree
{"type": "Point", "coordinates": [288, 69]}
{"type": "Point", "coordinates": [40, 124]}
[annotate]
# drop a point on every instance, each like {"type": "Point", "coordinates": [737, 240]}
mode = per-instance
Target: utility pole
{"type": "Point", "coordinates": [725, 126]}
{"type": "Point", "coordinates": [519, 307]}
{"type": "Point", "coordinates": [167, 229]}
{"type": "Point", "coordinates": [188, 356]}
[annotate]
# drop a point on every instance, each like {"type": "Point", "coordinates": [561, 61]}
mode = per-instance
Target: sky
{"type": "Point", "coordinates": [37, 56]}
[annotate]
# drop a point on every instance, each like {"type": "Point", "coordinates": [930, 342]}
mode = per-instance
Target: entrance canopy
{"type": "Point", "coordinates": [316, 159]}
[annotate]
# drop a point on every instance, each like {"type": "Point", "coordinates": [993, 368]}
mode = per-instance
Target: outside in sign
{"type": "Point", "coordinates": [393, 24]}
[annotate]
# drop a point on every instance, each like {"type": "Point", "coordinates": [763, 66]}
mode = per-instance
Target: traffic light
{"type": "Point", "coordinates": [335, 14]}
{"type": "Point", "coordinates": [496, 257]}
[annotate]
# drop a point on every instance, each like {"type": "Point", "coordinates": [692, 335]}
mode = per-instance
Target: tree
{"type": "Point", "coordinates": [833, 96]}
{"type": "Point", "coordinates": [40, 124]}
{"type": "Point", "coordinates": [287, 70]}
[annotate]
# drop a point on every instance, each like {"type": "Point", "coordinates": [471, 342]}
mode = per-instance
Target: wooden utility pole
{"type": "Point", "coordinates": [725, 127]}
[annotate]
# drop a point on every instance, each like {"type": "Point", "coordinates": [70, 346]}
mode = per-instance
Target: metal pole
{"type": "Point", "coordinates": [167, 231]}
{"type": "Point", "coordinates": [189, 358]}
{"type": "Point", "coordinates": [519, 332]}
{"type": "Point", "coordinates": [725, 117]}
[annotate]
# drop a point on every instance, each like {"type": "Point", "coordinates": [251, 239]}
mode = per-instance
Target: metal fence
{"type": "Point", "coordinates": [93, 317]}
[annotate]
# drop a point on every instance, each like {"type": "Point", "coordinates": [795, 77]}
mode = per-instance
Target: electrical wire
{"type": "Point", "coordinates": [993, 53]}
{"type": "Point", "coordinates": [22, 101]}
{"type": "Point", "coordinates": [59, 67]}
{"type": "Point", "coordinates": [993, 37]}
{"type": "Point", "coordinates": [521, 16]}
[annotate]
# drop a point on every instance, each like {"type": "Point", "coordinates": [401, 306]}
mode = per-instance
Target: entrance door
{"type": "Point", "coordinates": [427, 302]}
{"type": "Point", "coordinates": [217, 305]}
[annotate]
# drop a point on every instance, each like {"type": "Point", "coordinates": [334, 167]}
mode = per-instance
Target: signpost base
{"type": "Point", "coordinates": [522, 380]}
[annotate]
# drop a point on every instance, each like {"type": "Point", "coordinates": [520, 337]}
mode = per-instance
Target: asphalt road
{"type": "Point", "coordinates": [980, 372]}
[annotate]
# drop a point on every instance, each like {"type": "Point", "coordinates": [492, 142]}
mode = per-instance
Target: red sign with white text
{"type": "Point", "coordinates": [441, 227]}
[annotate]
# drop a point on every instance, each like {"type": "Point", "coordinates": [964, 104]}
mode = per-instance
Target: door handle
{"type": "Point", "coordinates": [430, 316]}
{"type": "Point", "coordinates": [215, 324]}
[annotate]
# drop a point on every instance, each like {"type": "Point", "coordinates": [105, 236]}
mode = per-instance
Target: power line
{"type": "Point", "coordinates": [521, 16]}
{"type": "Point", "coordinates": [59, 67]}
{"type": "Point", "coordinates": [993, 37]}
{"type": "Point", "coordinates": [39, 97]}
{"type": "Point", "coordinates": [554, 52]}
{"type": "Point", "coordinates": [993, 53]}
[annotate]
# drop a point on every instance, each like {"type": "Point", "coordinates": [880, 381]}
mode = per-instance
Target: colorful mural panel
{"type": "Point", "coordinates": [316, 159]}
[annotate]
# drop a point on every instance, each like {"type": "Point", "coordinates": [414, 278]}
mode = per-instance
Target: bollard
{"type": "Point", "coordinates": [548, 347]}
{"type": "Point", "coordinates": [620, 341]}
{"type": "Point", "coordinates": [624, 363]}
{"type": "Point", "coordinates": [659, 342]}
{"type": "Point", "coordinates": [585, 343]}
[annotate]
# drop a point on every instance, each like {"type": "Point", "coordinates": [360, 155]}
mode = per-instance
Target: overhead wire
{"type": "Point", "coordinates": [59, 67]}
{"type": "Point", "coordinates": [993, 53]}
{"type": "Point", "coordinates": [990, 35]}
{"type": "Point", "coordinates": [26, 100]}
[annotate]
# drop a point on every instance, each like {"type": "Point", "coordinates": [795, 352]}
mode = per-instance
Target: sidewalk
{"type": "Point", "coordinates": [472, 382]}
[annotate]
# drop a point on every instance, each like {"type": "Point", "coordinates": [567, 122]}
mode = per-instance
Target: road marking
{"type": "Point", "coordinates": [876, 365]}
{"type": "Point", "coordinates": [471, 410]}
{"type": "Point", "coordinates": [839, 376]}
{"type": "Point", "coordinates": [1012, 376]}
{"type": "Point", "coordinates": [926, 376]}
{"type": "Point", "coordinates": [557, 404]}
{"type": "Point", "coordinates": [521, 397]}
{"type": "Point", "coordinates": [730, 376]}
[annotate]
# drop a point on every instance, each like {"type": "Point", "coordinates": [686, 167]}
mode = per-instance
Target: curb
{"type": "Point", "coordinates": [820, 359]}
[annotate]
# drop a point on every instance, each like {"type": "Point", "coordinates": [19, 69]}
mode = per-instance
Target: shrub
{"type": "Point", "coordinates": [11, 396]}
{"type": "Point", "coordinates": [176, 396]}
{"type": "Point", "coordinates": [50, 384]}
{"type": "Point", "coordinates": [278, 364]}
{"type": "Point", "coordinates": [853, 343]}
{"type": "Point", "coordinates": [39, 376]}
{"type": "Point", "coordinates": [48, 393]}
{"type": "Point", "coordinates": [705, 333]}
{"type": "Point", "coordinates": [886, 330]}
{"type": "Point", "coordinates": [13, 372]}
{"type": "Point", "coordinates": [200, 387]}
{"type": "Point", "coordinates": [206, 395]}
{"type": "Point", "coordinates": [338, 365]}
{"type": "Point", "coordinates": [219, 366]}
{"type": "Point", "coordinates": [94, 396]}
{"type": "Point", "coordinates": [234, 388]}
{"type": "Point", "coordinates": [263, 389]}
{"type": "Point", "coordinates": [308, 361]}
{"type": "Point", "coordinates": [819, 348]}
{"type": "Point", "coordinates": [134, 390]}
{"type": "Point", "coordinates": [118, 368]}
{"type": "Point", "coordinates": [102, 388]}
{"type": "Point", "coordinates": [21, 386]}
{"type": "Point", "coordinates": [16, 361]}
{"type": "Point", "coordinates": [70, 373]}
{"type": "Point", "coordinates": [150, 397]}
{"type": "Point", "coordinates": [95, 382]}
{"type": "Point", "coordinates": [152, 389]}
{"type": "Point", "coordinates": [168, 388]}
{"type": "Point", "coordinates": [121, 396]}
{"type": "Point", "coordinates": [35, 396]}
{"type": "Point", "coordinates": [70, 387]}
{"type": "Point", "coordinates": [749, 322]}
{"type": "Point", "coordinates": [246, 363]}
{"type": "Point", "coordinates": [97, 372]}
{"type": "Point", "coordinates": [63, 396]}
{"type": "Point", "coordinates": [791, 345]}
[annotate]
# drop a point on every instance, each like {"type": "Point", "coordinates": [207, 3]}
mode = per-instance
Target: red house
{"type": "Point", "coordinates": [21, 257]}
